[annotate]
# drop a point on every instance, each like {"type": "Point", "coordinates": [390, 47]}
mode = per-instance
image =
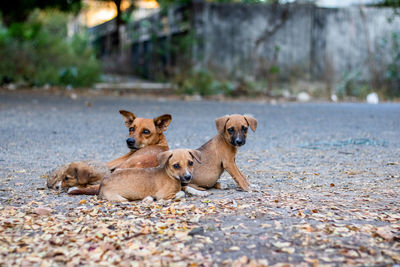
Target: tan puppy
{"type": "Point", "coordinates": [218, 154]}
{"type": "Point", "coordinates": [83, 173]}
{"type": "Point", "coordinates": [162, 182]}
{"type": "Point", "coordinates": [54, 177]}
{"type": "Point", "coordinates": [79, 173]}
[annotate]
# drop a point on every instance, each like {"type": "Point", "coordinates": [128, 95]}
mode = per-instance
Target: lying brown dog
{"type": "Point", "coordinates": [83, 173]}
{"type": "Point", "coordinates": [54, 177]}
{"type": "Point", "coordinates": [77, 174]}
{"type": "Point", "coordinates": [162, 182]}
{"type": "Point", "coordinates": [146, 140]}
{"type": "Point", "coordinates": [218, 154]}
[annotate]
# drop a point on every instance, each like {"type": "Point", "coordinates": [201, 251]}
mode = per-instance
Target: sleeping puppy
{"type": "Point", "coordinates": [82, 174]}
{"type": "Point", "coordinates": [77, 174]}
{"type": "Point", "coordinates": [55, 176]}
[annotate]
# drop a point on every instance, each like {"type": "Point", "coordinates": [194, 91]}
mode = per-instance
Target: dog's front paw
{"type": "Point", "coordinates": [254, 187]}
{"type": "Point", "coordinates": [218, 186]}
{"type": "Point", "coordinates": [223, 186]}
{"type": "Point", "coordinates": [180, 195]}
{"type": "Point", "coordinates": [244, 188]}
{"type": "Point", "coordinates": [72, 189]}
{"type": "Point", "coordinates": [195, 192]}
{"type": "Point", "coordinates": [148, 199]}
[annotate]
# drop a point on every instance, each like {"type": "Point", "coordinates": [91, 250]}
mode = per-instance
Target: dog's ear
{"type": "Point", "coordinates": [164, 157]}
{"type": "Point", "coordinates": [196, 155]}
{"type": "Point", "coordinates": [81, 175]}
{"type": "Point", "coordinates": [251, 122]}
{"type": "Point", "coordinates": [129, 117]}
{"type": "Point", "coordinates": [162, 122]}
{"type": "Point", "coordinates": [221, 122]}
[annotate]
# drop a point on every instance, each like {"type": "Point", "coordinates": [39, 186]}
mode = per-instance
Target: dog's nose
{"type": "Point", "coordinates": [130, 141]}
{"type": "Point", "coordinates": [58, 186]}
{"type": "Point", "coordinates": [187, 177]}
{"type": "Point", "coordinates": [239, 141]}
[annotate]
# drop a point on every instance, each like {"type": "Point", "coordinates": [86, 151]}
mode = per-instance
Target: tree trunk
{"type": "Point", "coordinates": [118, 23]}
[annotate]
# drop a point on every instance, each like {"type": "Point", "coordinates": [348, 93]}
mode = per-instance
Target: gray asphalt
{"type": "Point", "coordinates": [39, 132]}
{"type": "Point", "coordinates": [43, 131]}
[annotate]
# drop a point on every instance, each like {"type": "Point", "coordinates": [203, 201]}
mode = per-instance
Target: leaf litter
{"type": "Point", "coordinates": [348, 214]}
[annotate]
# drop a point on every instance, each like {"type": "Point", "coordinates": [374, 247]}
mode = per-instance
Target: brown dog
{"type": "Point", "coordinates": [146, 140]}
{"type": "Point", "coordinates": [218, 154]}
{"type": "Point", "coordinates": [162, 182]}
{"type": "Point", "coordinates": [83, 173]}
{"type": "Point", "coordinates": [54, 177]}
{"type": "Point", "coordinates": [77, 174]}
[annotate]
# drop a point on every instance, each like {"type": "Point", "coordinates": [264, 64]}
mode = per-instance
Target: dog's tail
{"type": "Point", "coordinates": [93, 190]}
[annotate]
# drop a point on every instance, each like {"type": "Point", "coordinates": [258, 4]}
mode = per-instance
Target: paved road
{"type": "Point", "coordinates": [304, 161]}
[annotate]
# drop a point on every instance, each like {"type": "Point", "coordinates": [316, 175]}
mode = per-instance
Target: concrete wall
{"type": "Point", "coordinates": [303, 41]}
{"type": "Point", "coordinates": [353, 37]}
{"type": "Point", "coordinates": [254, 40]}
{"type": "Point", "coordinates": [246, 39]}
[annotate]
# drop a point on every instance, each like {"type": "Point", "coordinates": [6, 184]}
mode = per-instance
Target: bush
{"type": "Point", "coordinates": [203, 83]}
{"type": "Point", "coordinates": [39, 52]}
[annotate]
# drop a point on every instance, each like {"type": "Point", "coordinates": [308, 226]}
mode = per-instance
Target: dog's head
{"type": "Point", "coordinates": [234, 128]}
{"type": "Point", "coordinates": [54, 178]}
{"type": "Point", "coordinates": [77, 173]}
{"type": "Point", "coordinates": [179, 163]}
{"type": "Point", "coordinates": [144, 132]}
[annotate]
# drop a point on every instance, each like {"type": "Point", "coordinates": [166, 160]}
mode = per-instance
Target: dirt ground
{"type": "Point", "coordinates": [325, 186]}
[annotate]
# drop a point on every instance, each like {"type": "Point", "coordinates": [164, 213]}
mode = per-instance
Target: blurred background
{"type": "Point", "coordinates": [296, 50]}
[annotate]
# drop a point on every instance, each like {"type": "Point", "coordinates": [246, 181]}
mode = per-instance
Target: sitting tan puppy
{"type": "Point", "coordinates": [218, 154]}
{"type": "Point", "coordinates": [162, 182]}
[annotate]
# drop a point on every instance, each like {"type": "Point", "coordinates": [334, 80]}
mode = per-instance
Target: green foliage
{"type": "Point", "coordinates": [164, 4]}
{"type": "Point", "coordinates": [19, 10]}
{"type": "Point", "coordinates": [39, 52]}
{"type": "Point", "coordinates": [353, 85]}
{"type": "Point", "coordinates": [204, 83]}
{"type": "Point", "coordinates": [389, 3]}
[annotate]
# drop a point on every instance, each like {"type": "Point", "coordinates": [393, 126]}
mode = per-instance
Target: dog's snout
{"type": "Point", "coordinates": [239, 141]}
{"type": "Point", "coordinates": [130, 141]}
{"type": "Point", "coordinates": [58, 186]}
{"type": "Point", "coordinates": [187, 177]}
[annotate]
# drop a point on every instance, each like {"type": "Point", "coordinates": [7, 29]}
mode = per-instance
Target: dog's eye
{"type": "Point", "coordinates": [190, 163]}
{"type": "Point", "coordinates": [231, 130]}
{"type": "Point", "coordinates": [244, 128]}
{"type": "Point", "coordinates": [66, 178]}
{"type": "Point", "coordinates": [132, 129]}
{"type": "Point", "coordinates": [176, 166]}
{"type": "Point", "coordinates": [145, 131]}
